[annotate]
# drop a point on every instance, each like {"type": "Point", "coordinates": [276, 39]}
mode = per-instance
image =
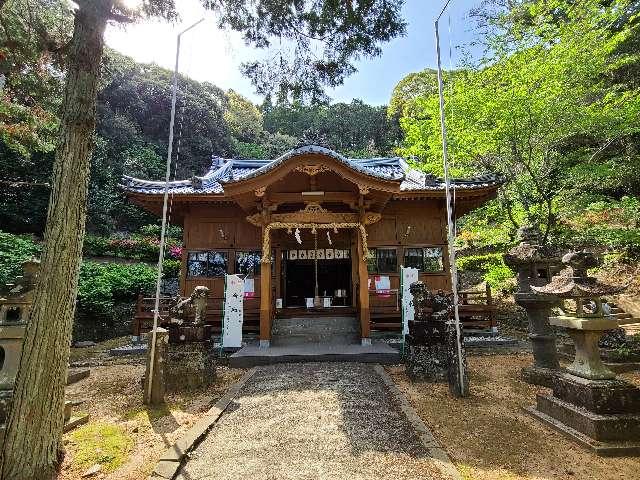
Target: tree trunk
{"type": "Point", "coordinates": [34, 427]}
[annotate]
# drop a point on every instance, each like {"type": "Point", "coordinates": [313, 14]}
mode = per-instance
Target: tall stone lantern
{"type": "Point", "coordinates": [535, 264]}
{"type": "Point", "coordinates": [588, 403]}
{"type": "Point", "coordinates": [580, 299]}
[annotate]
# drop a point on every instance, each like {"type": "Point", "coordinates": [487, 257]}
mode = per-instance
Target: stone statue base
{"type": "Point", "coordinates": [541, 376]}
{"type": "Point", "coordinates": [426, 362]}
{"type": "Point", "coordinates": [190, 366]}
{"type": "Point", "coordinates": [602, 415]}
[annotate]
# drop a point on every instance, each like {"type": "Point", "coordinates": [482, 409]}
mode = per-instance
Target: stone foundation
{"type": "Point", "coordinates": [427, 362]}
{"type": "Point", "coordinates": [541, 376]}
{"type": "Point", "coordinates": [603, 415]}
{"type": "Point", "coordinates": [190, 366]}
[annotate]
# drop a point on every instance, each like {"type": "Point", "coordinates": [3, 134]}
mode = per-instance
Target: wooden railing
{"type": "Point", "coordinates": [143, 320]}
{"type": "Point", "coordinates": [476, 310]}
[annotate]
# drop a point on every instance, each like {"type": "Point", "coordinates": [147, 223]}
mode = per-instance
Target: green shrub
{"type": "Point", "coordinates": [102, 285]}
{"type": "Point", "coordinates": [170, 268]}
{"type": "Point", "coordinates": [496, 273]}
{"type": "Point", "coordinates": [499, 277]}
{"type": "Point", "coordinates": [135, 247]}
{"type": "Point", "coordinates": [479, 263]}
{"type": "Point", "coordinates": [14, 250]}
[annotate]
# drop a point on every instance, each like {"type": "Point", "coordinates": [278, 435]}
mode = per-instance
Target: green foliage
{"type": "Point", "coordinates": [553, 107]}
{"type": "Point", "coordinates": [171, 268]}
{"type": "Point", "coordinates": [31, 41]}
{"type": "Point", "coordinates": [496, 273]}
{"type": "Point", "coordinates": [479, 263]}
{"type": "Point", "coordinates": [135, 246]}
{"type": "Point", "coordinates": [14, 251]}
{"type": "Point", "coordinates": [500, 277]}
{"type": "Point", "coordinates": [243, 118]}
{"type": "Point", "coordinates": [355, 128]}
{"type": "Point", "coordinates": [102, 285]}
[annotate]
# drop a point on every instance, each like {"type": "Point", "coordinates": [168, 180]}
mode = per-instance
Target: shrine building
{"type": "Point", "coordinates": [315, 233]}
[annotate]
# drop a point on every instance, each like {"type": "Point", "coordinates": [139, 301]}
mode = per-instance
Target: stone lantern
{"type": "Point", "coordinates": [535, 265]}
{"type": "Point", "coordinates": [580, 299]}
{"type": "Point", "coordinates": [588, 403]}
{"type": "Point", "coordinates": [15, 305]}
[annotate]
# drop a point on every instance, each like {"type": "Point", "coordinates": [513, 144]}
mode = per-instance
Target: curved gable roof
{"type": "Point", "coordinates": [232, 171]}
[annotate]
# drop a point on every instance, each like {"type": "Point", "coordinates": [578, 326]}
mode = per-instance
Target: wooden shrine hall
{"type": "Point", "coordinates": [314, 232]}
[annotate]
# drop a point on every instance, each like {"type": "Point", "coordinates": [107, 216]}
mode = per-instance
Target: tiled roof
{"type": "Point", "coordinates": [224, 171]}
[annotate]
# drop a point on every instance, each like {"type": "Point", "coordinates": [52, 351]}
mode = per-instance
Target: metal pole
{"type": "Point", "coordinates": [450, 235]}
{"type": "Point", "coordinates": [156, 309]}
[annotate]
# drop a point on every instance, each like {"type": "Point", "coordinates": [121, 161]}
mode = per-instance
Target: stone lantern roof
{"type": "Point", "coordinates": [574, 282]}
{"type": "Point", "coordinates": [529, 250]}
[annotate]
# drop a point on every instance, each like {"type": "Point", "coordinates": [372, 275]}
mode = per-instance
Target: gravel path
{"type": "Point", "coordinates": [312, 421]}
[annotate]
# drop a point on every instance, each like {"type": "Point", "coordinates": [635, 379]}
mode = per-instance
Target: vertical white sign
{"type": "Point", "coordinates": [409, 276]}
{"type": "Point", "coordinates": [233, 312]}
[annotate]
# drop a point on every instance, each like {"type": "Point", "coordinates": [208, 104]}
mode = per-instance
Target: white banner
{"type": "Point", "coordinates": [407, 277]}
{"type": "Point", "coordinates": [233, 312]}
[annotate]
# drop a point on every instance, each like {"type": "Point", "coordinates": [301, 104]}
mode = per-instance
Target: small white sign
{"type": "Point", "coordinates": [408, 276]}
{"type": "Point", "coordinates": [293, 254]}
{"type": "Point", "coordinates": [233, 312]}
{"type": "Point", "coordinates": [320, 254]}
{"type": "Point", "coordinates": [327, 302]}
{"type": "Point", "coordinates": [309, 302]}
{"type": "Point", "coordinates": [302, 254]}
{"type": "Point", "coordinates": [311, 254]}
{"type": "Point", "coordinates": [249, 288]}
{"type": "Point", "coordinates": [328, 254]}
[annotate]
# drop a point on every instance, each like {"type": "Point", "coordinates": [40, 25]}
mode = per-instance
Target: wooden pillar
{"type": "Point", "coordinates": [265, 300]}
{"type": "Point", "coordinates": [363, 293]}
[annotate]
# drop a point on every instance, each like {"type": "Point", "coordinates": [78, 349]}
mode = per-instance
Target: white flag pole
{"type": "Point", "coordinates": [450, 230]}
{"type": "Point", "coordinates": [156, 309]}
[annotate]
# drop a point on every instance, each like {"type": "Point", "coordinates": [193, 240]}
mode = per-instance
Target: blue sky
{"type": "Point", "coordinates": [208, 54]}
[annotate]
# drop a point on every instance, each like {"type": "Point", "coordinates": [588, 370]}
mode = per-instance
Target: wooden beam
{"type": "Point", "coordinates": [298, 197]}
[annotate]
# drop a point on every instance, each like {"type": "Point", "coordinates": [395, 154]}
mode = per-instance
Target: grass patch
{"type": "Point", "coordinates": [102, 443]}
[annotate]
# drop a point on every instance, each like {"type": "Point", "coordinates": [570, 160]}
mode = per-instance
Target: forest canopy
{"type": "Point", "coordinates": [553, 106]}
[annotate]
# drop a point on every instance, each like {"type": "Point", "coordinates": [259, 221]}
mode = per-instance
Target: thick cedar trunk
{"type": "Point", "coordinates": [34, 427]}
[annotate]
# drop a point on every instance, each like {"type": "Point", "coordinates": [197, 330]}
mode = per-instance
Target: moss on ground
{"type": "Point", "coordinates": [102, 443]}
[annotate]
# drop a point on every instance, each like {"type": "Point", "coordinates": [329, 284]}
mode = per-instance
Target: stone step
{"type": "Point", "coordinates": [252, 355]}
{"type": "Point", "coordinates": [315, 330]}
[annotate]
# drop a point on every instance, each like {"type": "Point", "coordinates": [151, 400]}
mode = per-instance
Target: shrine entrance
{"type": "Point", "coordinates": [298, 281]}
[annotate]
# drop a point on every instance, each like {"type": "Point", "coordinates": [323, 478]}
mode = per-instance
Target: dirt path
{"type": "Point", "coordinates": [313, 421]}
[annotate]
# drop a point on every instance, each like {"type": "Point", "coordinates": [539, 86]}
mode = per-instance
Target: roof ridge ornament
{"type": "Point", "coordinates": [312, 170]}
